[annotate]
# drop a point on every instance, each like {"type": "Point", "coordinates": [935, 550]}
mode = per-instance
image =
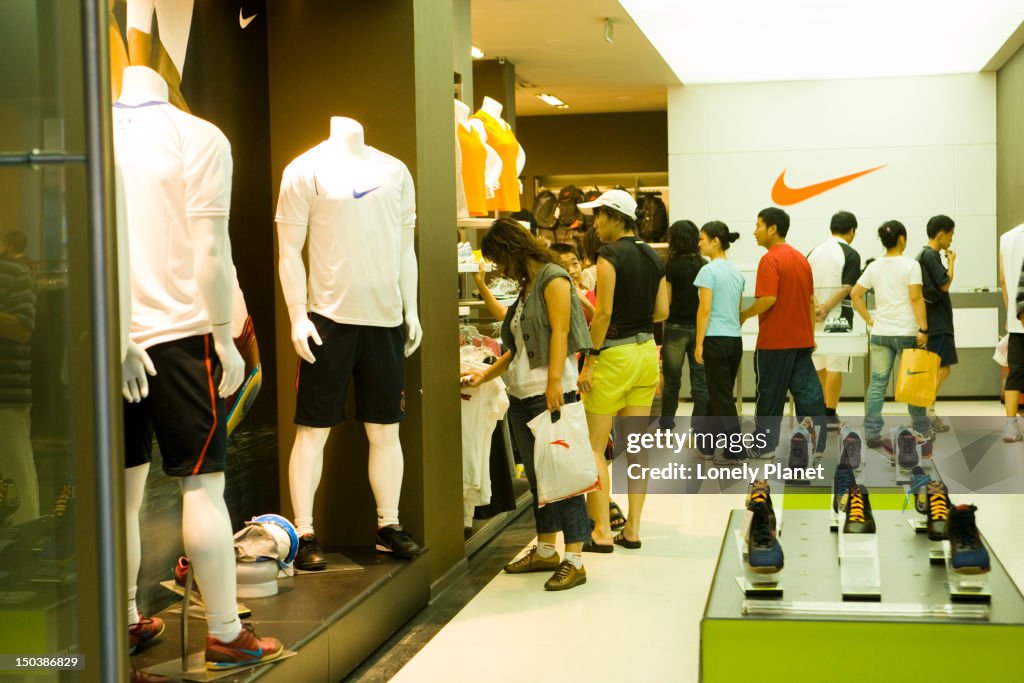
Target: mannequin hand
{"type": "Point", "coordinates": [302, 329]}
{"type": "Point", "coordinates": [137, 364]}
{"type": "Point", "coordinates": [698, 354]}
{"type": "Point", "coordinates": [553, 396]}
{"type": "Point", "coordinates": [414, 334]}
{"type": "Point", "coordinates": [232, 365]}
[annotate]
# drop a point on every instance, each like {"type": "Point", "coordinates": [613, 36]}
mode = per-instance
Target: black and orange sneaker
{"type": "Point", "coordinates": [246, 650]}
{"type": "Point", "coordinates": [143, 632]}
{"type": "Point", "coordinates": [938, 511]}
{"type": "Point", "coordinates": [759, 491]}
{"type": "Point", "coordinates": [842, 483]}
{"type": "Point", "coordinates": [968, 553]}
{"type": "Point", "coordinates": [764, 554]}
{"type": "Point", "coordinates": [859, 519]}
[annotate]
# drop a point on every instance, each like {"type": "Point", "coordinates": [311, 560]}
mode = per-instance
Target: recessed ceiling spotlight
{"type": "Point", "coordinates": [477, 53]}
{"type": "Point", "coordinates": [552, 100]}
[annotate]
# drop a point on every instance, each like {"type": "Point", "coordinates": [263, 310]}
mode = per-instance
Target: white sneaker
{"type": "Point", "coordinates": [1011, 432]}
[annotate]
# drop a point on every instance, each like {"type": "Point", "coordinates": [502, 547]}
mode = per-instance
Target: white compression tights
{"type": "Point", "coordinates": [206, 532]}
{"type": "Point", "coordinates": [134, 488]}
{"type": "Point", "coordinates": [386, 467]}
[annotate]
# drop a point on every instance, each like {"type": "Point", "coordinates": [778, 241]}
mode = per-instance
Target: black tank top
{"type": "Point", "coordinates": [638, 272]}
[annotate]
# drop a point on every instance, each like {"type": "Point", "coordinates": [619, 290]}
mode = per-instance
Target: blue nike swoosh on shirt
{"type": "Point", "coordinates": [357, 195]}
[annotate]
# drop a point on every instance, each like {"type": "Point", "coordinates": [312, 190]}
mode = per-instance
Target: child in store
{"type": "Point", "coordinates": [569, 259]}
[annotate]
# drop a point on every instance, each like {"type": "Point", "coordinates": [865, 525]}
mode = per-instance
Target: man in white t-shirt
{"type": "Point", "coordinates": [836, 267]}
{"type": "Point", "coordinates": [1011, 260]}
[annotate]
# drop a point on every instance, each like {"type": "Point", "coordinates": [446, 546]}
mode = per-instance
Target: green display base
{"type": "Point", "coordinates": [850, 645]}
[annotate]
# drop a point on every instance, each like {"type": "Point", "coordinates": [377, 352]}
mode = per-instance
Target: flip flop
{"type": "Point", "coordinates": [626, 543]}
{"type": "Point", "coordinates": [618, 520]}
{"type": "Point", "coordinates": [591, 547]}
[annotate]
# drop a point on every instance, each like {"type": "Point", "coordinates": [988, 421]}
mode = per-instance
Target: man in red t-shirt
{"type": "Point", "coordinates": [784, 307]}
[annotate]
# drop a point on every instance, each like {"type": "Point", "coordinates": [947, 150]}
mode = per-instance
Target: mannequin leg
{"type": "Point", "coordinates": [304, 470]}
{"type": "Point", "coordinates": [206, 531]}
{"type": "Point", "coordinates": [386, 468]}
{"type": "Point", "coordinates": [134, 489]}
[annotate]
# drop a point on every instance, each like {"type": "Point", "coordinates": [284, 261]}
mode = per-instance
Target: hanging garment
{"type": "Point", "coordinates": [482, 407]}
{"type": "Point", "coordinates": [503, 140]}
{"type": "Point", "coordinates": [474, 161]}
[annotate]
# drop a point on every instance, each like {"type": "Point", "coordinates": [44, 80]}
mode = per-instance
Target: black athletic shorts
{"type": "Point", "coordinates": [1015, 359]}
{"type": "Point", "coordinates": [372, 356]}
{"type": "Point", "coordinates": [945, 346]}
{"type": "Point", "coordinates": [183, 409]}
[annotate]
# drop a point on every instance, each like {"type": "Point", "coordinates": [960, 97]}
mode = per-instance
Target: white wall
{"type": "Point", "coordinates": [935, 135]}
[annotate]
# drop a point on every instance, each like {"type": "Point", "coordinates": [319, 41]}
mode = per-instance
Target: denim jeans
{"type": "Point", "coordinates": [782, 371]}
{"type": "Point", "coordinates": [568, 516]}
{"type": "Point", "coordinates": [678, 345]}
{"type": "Point", "coordinates": [884, 352]}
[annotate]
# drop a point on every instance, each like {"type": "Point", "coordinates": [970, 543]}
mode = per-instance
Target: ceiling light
{"type": "Point", "coordinates": [552, 100]}
{"type": "Point", "coordinates": [477, 53]}
{"type": "Point", "coordinates": [734, 41]}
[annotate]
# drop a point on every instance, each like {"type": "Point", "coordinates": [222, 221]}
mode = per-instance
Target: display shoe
{"type": "Point", "coordinates": [310, 557]}
{"type": "Point", "coordinates": [799, 448]}
{"type": "Point", "coordinates": [10, 501]}
{"type": "Point", "coordinates": [906, 449]}
{"type": "Point", "coordinates": [968, 553]}
{"type": "Point", "coordinates": [842, 484]}
{"type": "Point", "coordinates": [566, 576]}
{"type": "Point", "coordinates": [181, 568]}
{"type": "Point", "coordinates": [760, 491]}
{"type": "Point", "coordinates": [1011, 431]}
{"type": "Point", "coordinates": [918, 490]}
{"type": "Point", "coordinates": [938, 425]}
{"type": "Point", "coordinates": [245, 650]}
{"type": "Point", "coordinates": [849, 447]}
{"type": "Point", "coordinates": [859, 519]}
{"type": "Point", "coordinates": [764, 554]}
{"type": "Point", "coordinates": [393, 539]}
{"type": "Point", "coordinates": [143, 632]}
{"type": "Point", "coordinates": [938, 510]}
{"type": "Point", "coordinates": [532, 562]}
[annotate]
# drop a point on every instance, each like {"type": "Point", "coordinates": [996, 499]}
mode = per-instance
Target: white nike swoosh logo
{"type": "Point", "coordinates": [242, 21]}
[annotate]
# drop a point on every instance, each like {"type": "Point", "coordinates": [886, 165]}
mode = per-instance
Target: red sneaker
{"type": "Point", "coordinates": [246, 650]}
{"type": "Point", "coordinates": [181, 573]}
{"type": "Point", "coordinates": [146, 630]}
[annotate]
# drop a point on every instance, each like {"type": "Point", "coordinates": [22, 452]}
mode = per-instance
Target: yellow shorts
{"type": "Point", "coordinates": [624, 376]}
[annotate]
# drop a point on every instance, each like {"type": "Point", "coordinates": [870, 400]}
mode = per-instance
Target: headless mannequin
{"type": "Point", "coordinates": [206, 524]}
{"type": "Point", "coordinates": [492, 165]}
{"type": "Point", "coordinates": [168, 58]}
{"type": "Point", "coordinates": [494, 109]}
{"type": "Point", "coordinates": [386, 464]}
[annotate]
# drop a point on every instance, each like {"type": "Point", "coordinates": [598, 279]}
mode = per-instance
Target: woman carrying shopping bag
{"type": "Point", "coordinates": [543, 330]}
{"type": "Point", "coordinates": [622, 377]}
{"type": "Point", "coordinates": [899, 322]}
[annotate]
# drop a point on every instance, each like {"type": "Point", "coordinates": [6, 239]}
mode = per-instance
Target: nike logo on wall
{"type": "Point", "coordinates": [242, 21]}
{"type": "Point", "coordinates": [783, 195]}
{"type": "Point", "coordinates": [357, 195]}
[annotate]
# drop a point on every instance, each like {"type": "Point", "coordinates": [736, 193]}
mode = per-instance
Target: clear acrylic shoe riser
{"type": "Point", "coordinates": [859, 570]}
{"type": "Point", "coordinates": [755, 584]}
{"type": "Point", "coordinates": [965, 587]}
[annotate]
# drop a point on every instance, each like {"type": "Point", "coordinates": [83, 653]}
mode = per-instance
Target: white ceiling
{"type": "Point", "coordinates": [728, 41]}
{"type": "Point", "coordinates": [558, 46]}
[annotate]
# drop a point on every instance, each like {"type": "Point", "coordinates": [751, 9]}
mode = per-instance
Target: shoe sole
{"type": "Point", "coordinates": [531, 569]}
{"type": "Point", "coordinates": [598, 548]}
{"type": "Point", "coordinates": [972, 570]}
{"type": "Point", "coordinates": [1014, 440]}
{"type": "Point", "coordinates": [223, 666]}
{"type": "Point", "coordinates": [565, 587]}
{"type": "Point", "coordinates": [765, 570]}
{"type": "Point", "coordinates": [315, 567]}
{"type": "Point", "coordinates": [405, 556]}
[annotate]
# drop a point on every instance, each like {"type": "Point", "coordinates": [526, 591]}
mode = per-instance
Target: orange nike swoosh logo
{"type": "Point", "coordinates": [561, 443]}
{"type": "Point", "coordinates": [785, 195]}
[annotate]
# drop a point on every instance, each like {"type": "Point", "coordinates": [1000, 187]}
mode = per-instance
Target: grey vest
{"type": "Point", "coordinates": [537, 329]}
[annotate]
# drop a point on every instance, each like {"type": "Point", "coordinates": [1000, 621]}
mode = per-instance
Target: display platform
{"type": "Point", "coordinates": [333, 620]}
{"type": "Point", "coordinates": [811, 632]}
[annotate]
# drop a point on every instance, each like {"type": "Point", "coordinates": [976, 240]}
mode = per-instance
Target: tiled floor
{"type": "Point", "coordinates": [638, 616]}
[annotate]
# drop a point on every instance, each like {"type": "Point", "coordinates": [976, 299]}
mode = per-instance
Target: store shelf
{"type": "Point", "coordinates": [475, 223]}
{"type": "Point", "coordinates": [802, 645]}
{"type": "Point", "coordinates": [474, 267]}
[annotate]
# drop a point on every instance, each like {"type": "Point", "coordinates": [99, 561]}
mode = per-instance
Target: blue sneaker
{"type": "Point", "coordinates": [918, 490]}
{"type": "Point", "coordinates": [969, 555]}
{"type": "Point", "coordinates": [841, 485]}
{"type": "Point", "coordinates": [764, 554]}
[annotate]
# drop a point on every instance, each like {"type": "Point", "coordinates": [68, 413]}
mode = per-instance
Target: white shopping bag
{"type": "Point", "coordinates": [562, 457]}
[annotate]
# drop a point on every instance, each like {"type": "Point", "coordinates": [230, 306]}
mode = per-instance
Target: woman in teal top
{"type": "Point", "coordinates": [719, 345]}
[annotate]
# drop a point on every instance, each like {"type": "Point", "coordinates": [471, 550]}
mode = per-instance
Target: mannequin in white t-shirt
{"type": "Point", "coordinates": [337, 166]}
{"type": "Point", "coordinates": [163, 316]}
{"type": "Point", "coordinates": [492, 166]}
{"type": "Point", "coordinates": [494, 108]}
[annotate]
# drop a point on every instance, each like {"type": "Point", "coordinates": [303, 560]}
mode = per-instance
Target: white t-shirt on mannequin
{"type": "Point", "coordinates": [356, 211]}
{"type": "Point", "coordinates": [173, 165]}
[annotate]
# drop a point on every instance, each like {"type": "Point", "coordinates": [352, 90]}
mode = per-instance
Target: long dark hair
{"type": "Point", "coordinates": [682, 240]}
{"type": "Point", "coordinates": [511, 246]}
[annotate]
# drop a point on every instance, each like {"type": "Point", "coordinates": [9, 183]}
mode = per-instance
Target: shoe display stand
{"type": "Point", "coordinates": [965, 587]}
{"type": "Point", "coordinates": [801, 631]}
{"type": "Point", "coordinates": [859, 567]}
{"type": "Point", "coordinates": [333, 620]}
